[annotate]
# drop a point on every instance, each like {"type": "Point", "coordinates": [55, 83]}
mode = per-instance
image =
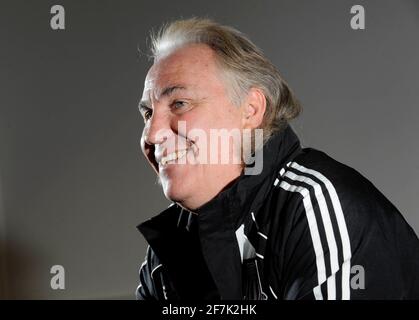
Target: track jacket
{"type": "Point", "coordinates": [307, 227]}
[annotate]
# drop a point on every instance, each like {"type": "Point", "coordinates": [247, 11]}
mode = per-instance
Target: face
{"type": "Point", "coordinates": [184, 94]}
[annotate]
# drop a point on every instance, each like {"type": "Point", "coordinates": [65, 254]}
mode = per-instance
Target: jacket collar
{"type": "Point", "coordinates": [217, 221]}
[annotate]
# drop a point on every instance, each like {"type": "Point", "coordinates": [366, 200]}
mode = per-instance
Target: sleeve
{"type": "Point", "coordinates": [317, 251]}
{"type": "Point", "coordinates": [145, 289]}
{"type": "Point", "coordinates": [305, 268]}
{"type": "Point", "coordinates": [348, 242]}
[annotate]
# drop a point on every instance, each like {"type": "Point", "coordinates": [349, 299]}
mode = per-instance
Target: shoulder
{"type": "Point", "coordinates": [316, 164]}
{"type": "Point", "coordinates": [325, 181]}
{"type": "Point", "coordinates": [337, 190]}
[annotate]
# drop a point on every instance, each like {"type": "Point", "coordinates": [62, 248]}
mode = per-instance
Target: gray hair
{"type": "Point", "coordinates": [241, 61]}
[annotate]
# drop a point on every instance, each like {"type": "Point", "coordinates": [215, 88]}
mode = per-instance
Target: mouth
{"type": "Point", "coordinates": [173, 157]}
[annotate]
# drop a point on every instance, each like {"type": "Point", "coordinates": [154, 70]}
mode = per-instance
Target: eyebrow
{"type": "Point", "coordinates": [169, 90]}
{"type": "Point", "coordinates": [166, 92]}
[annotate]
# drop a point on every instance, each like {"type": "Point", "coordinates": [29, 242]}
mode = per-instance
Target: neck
{"type": "Point", "coordinates": [196, 201]}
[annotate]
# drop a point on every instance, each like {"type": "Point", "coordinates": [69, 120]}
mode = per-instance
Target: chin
{"type": "Point", "coordinates": [174, 191]}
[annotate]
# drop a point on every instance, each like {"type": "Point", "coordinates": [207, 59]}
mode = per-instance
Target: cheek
{"type": "Point", "coordinates": [206, 120]}
{"type": "Point", "coordinates": [229, 117]}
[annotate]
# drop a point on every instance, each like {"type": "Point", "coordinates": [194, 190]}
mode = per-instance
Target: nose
{"type": "Point", "coordinates": [157, 128]}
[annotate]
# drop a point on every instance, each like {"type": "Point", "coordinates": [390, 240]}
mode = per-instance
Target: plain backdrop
{"type": "Point", "coordinates": [73, 183]}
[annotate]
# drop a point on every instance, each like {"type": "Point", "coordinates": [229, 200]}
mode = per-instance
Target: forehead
{"type": "Point", "coordinates": [191, 66]}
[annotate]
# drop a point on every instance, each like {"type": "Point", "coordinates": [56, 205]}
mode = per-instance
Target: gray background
{"type": "Point", "coordinates": [73, 184]}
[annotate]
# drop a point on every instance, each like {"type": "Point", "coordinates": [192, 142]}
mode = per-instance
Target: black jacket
{"type": "Point", "coordinates": [307, 227]}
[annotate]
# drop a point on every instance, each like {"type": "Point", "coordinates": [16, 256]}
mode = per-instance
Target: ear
{"type": "Point", "coordinates": [253, 109]}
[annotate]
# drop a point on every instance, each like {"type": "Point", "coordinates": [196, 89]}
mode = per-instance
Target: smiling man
{"type": "Point", "coordinates": [290, 224]}
{"type": "Point", "coordinates": [186, 87]}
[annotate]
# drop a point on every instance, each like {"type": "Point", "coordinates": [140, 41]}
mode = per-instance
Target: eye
{"type": "Point", "coordinates": [147, 114]}
{"type": "Point", "coordinates": [177, 104]}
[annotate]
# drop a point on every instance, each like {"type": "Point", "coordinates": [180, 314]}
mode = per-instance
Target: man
{"type": "Point", "coordinates": [295, 224]}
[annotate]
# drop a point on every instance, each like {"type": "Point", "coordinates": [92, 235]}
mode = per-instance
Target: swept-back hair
{"type": "Point", "coordinates": [242, 63]}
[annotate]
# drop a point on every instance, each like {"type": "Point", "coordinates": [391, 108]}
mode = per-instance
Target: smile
{"type": "Point", "coordinates": [172, 157]}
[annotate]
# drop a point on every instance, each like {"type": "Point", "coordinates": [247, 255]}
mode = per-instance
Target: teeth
{"type": "Point", "coordinates": [173, 156]}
